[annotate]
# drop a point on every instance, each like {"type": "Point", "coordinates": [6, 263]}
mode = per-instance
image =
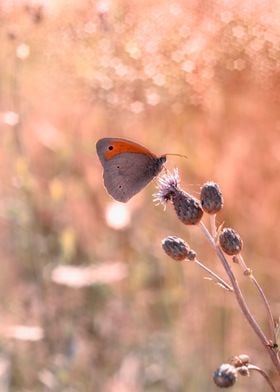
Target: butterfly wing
{"type": "Point", "coordinates": [126, 174]}
{"type": "Point", "coordinates": [128, 166]}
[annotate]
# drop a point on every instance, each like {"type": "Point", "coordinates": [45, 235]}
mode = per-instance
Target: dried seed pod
{"type": "Point", "coordinates": [230, 241]}
{"type": "Point", "coordinates": [211, 197]}
{"type": "Point", "coordinates": [177, 249]}
{"type": "Point", "coordinates": [225, 376]}
{"type": "Point", "coordinates": [187, 208]}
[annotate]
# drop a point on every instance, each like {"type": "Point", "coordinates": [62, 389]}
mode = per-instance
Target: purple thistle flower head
{"type": "Point", "coordinates": [167, 185]}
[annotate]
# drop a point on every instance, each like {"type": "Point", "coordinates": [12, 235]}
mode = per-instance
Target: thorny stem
{"type": "Point", "coordinates": [240, 298]}
{"type": "Point", "coordinates": [262, 294]}
{"type": "Point", "coordinates": [214, 276]}
{"type": "Point", "coordinates": [263, 373]}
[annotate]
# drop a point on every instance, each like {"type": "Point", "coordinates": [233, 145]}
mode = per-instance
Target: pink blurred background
{"type": "Point", "coordinates": [89, 301]}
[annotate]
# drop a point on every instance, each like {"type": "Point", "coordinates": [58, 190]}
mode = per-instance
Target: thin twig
{"type": "Point", "coordinates": [240, 299]}
{"type": "Point", "coordinates": [265, 301]}
{"type": "Point", "coordinates": [265, 376]}
{"type": "Point", "coordinates": [214, 276]}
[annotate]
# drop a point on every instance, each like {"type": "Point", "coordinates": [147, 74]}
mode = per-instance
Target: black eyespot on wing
{"type": "Point", "coordinates": [110, 148]}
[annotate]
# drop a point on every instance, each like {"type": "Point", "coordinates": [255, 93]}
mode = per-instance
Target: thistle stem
{"type": "Point", "coordinates": [214, 276]}
{"type": "Point", "coordinates": [262, 294]}
{"type": "Point", "coordinates": [240, 299]}
{"type": "Point", "coordinates": [265, 376]}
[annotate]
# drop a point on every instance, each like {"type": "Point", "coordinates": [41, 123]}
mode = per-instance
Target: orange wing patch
{"type": "Point", "coordinates": [118, 147]}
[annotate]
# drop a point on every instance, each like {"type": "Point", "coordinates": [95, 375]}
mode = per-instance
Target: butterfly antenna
{"type": "Point", "coordinates": [178, 155]}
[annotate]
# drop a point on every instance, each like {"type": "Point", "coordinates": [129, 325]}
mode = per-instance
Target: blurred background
{"type": "Point", "coordinates": [89, 301]}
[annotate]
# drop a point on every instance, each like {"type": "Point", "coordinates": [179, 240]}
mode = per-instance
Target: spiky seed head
{"type": "Point", "coordinates": [211, 197]}
{"type": "Point", "coordinates": [177, 249]}
{"type": "Point", "coordinates": [187, 208]}
{"type": "Point", "coordinates": [225, 376]}
{"type": "Point", "coordinates": [230, 241]}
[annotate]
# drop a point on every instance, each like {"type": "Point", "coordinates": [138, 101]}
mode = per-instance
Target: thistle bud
{"type": "Point", "coordinates": [187, 208]}
{"type": "Point", "coordinates": [225, 376]}
{"type": "Point", "coordinates": [230, 241]}
{"type": "Point", "coordinates": [211, 198]}
{"type": "Point", "coordinates": [240, 360]}
{"type": "Point", "coordinates": [177, 249]}
{"type": "Point", "coordinates": [243, 371]}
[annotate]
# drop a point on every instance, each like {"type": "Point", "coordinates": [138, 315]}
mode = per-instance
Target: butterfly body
{"type": "Point", "coordinates": [128, 166]}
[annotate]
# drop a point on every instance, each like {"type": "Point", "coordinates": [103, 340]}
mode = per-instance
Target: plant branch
{"type": "Point", "coordinates": [214, 276]}
{"type": "Point", "coordinates": [261, 292]}
{"type": "Point", "coordinates": [240, 299]}
{"type": "Point", "coordinates": [265, 376]}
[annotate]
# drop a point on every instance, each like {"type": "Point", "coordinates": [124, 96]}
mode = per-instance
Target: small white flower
{"type": "Point", "coordinates": [167, 183]}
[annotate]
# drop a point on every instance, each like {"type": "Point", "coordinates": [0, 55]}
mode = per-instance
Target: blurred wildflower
{"type": "Point", "coordinates": [24, 177]}
{"type": "Point", "coordinates": [225, 376]}
{"type": "Point", "coordinates": [23, 51]}
{"type": "Point", "coordinates": [49, 136]}
{"type": "Point", "coordinates": [24, 332]}
{"type": "Point", "coordinates": [117, 215]}
{"type": "Point", "coordinates": [211, 197]}
{"type": "Point", "coordinates": [133, 50]}
{"type": "Point", "coordinates": [48, 379]}
{"type": "Point", "coordinates": [159, 79]}
{"type": "Point", "coordinates": [56, 189]}
{"type": "Point", "coordinates": [81, 276]}
{"type": "Point", "coordinates": [137, 107]}
{"type": "Point", "coordinates": [21, 166]}
{"type": "Point", "coordinates": [68, 243]}
{"type": "Point", "coordinates": [102, 7]}
{"type": "Point", "coordinates": [177, 248]}
{"type": "Point", "coordinates": [230, 241]}
{"type": "Point", "coordinates": [188, 66]}
{"type": "Point", "coordinates": [152, 97]}
{"type": "Point", "coordinates": [10, 118]}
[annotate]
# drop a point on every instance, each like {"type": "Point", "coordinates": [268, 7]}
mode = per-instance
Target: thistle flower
{"type": "Point", "coordinates": [167, 184]}
{"type": "Point", "coordinates": [187, 208]}
{"type": "Point", "coordinates": [225, 376]}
